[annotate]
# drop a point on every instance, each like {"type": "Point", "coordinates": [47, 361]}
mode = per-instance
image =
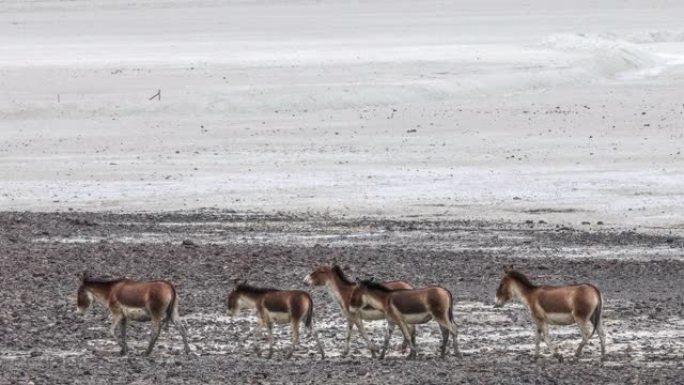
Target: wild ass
{"type": "Point", "coordinates": [556, 305]}
{"type": "Point", "coordinates": [276, 306]}
{"type": "Point", "coordinates": [154, 301]}
{"type": "Point", "coordinates": [405, 307]}
{"type": "Point", "coordinates": [341, 289]}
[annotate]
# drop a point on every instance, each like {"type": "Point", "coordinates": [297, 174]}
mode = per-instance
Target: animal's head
{"type": "Point", "coordinates": [504, 292]}
{"type": "Point", "coordinates": [83, 297]}
{"type": "Point", "coordinates": [319, 276]}
{"type": "Point", "coordinates": [234, 298]}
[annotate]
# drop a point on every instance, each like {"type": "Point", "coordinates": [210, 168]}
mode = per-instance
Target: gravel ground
{"type": "Point", "coordinates": [44, 340]}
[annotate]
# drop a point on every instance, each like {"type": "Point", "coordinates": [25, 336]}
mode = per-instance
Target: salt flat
{"type": "Point", "coordinates": [477, 109]}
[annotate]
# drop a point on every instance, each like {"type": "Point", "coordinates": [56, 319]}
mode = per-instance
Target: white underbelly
{"type": "Point", "coordinates": [136, 314]}
{"type": "Point", "coordinates": [560, 318]}
{"type": "Point", "coordinates": [417, 318]}
{"type": "Point", "coordinates": [279, 317]}
{"type": "Point", "coordinates": [372, 315]}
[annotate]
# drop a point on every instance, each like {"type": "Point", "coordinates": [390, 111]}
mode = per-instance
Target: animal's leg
{"type": "Point", "coordinates": [124, 346]}
{"type": "Point", "coordinates": [451, 327]}
{"type": "Point", "coordinates": [313, 334]}
{"type": "Point", "coordinates": [454, 332]}
{"type": "Point", "coordinates": [537, 340]}
{"type": "Point", "coordinates": [347, 342]}
{"type": "Point", "coordinates": [549, 343]}
{"type": "Point", "coordinates": [407, 336]}
{"type": "Point", "coordinates": [390, 329]}
{"type": "Point", "coordinates": [585, 330]}
{"type": "Point", "coordinates": [445, 340]}
{"type": "Point", "coordinates": [362, 331]}
{"type": "Point", "coordinates": [156, 329]}
{"type": "Point", "coordinates": [405, 343]}
{"type": "Point", "coordinates": [117, 318]}
{"type": "Point", "coordinates": [181, 329]}
{"type": "Point", "coordinates": [258, 336]}
{"type": "Point", "coordinates": [269, 329]}
{"type": "Point", "coordinates": [295, 337]}
{"type": "Point", "coordinates": [602, 337]}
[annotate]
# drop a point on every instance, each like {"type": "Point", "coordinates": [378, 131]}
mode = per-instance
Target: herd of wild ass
{"type": "Point", "coordinates": [398, 302]}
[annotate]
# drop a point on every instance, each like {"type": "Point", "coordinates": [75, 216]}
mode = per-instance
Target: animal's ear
{"type": "Point", "coordinates": [236, 281]}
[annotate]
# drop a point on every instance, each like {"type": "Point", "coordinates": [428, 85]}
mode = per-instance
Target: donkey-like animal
{"type": "Point", "coordinates": [556, 305]}
{"type": "Point", "coordinates": [276, 306]}
{"type": "Point", "coordinates": [154, 301]}
{"type": "Point", "coordinates": [341, 289]}
{"type": "Point", "coordinates": [409, 307]}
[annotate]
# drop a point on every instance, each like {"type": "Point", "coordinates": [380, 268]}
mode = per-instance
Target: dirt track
{"type": "Point", "coordinates": [44, 340]}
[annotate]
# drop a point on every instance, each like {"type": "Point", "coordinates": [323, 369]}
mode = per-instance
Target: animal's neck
{"type": "Point", "coordinates": [339, 289]}
{"type": "Point", "coordinates": [100, 290]}
{"type": "Point", "coordinates": [249, 299]}
{"type": "Point", "coordinates": [522, 293]}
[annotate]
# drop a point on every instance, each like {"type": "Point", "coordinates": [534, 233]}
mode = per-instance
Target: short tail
{"type": "Point", "coordinates": [596, 317]}
{"type": "Point", "coordinates": [308, 321]}
{"type": "Point", "coordinates": [172, 305]}
{"type": "Point", "coordinates": [451, 308]}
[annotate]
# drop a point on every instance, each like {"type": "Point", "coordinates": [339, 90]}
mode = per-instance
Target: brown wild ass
{"type": "Point", "coordinates": [405, 307]}
{"type": "Point", "coordinates": [276, 306]}
{"type": "Point", "coordinates": [341, 289]}
{"type": "Point", "coordinates": [556, 305]}
{"type": "Point", "coordinates": [154, 301]}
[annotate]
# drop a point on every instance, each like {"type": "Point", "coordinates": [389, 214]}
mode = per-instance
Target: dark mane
{"type": "Point", "coordinates": [521, 278]}
{"type": "Point", "coordinates": [371, 284]}
{"type": "Point", "coordinates": [336, 269]}
{"type": "Point", "coordinates": [246, 288]}
{"type": "Point", "coordinates": [89, 280]}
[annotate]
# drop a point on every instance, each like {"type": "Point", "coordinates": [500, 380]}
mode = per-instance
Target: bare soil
{"type": "Point", "coordinates": [44, 340]}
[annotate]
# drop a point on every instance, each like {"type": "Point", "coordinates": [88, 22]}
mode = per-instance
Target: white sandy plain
{"type": "Point", "coordinates": [561, 111]}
